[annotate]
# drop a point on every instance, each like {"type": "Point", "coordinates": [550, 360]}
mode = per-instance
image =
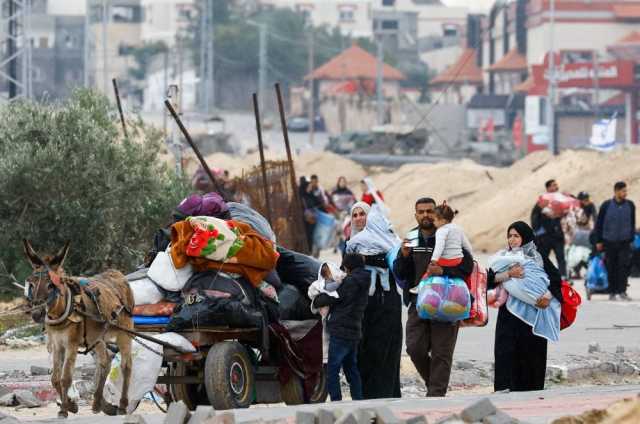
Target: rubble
{"type": "Point", "coordinates": [478, 411]}
{"type": "Point", "coordinates": [594, 347]}
{"type": "Point", "coordinates": [626, 411]}
{"type": "Point", "coordinates": [36, 370]}
{"type": "Point", "coordinates": [178, 413]}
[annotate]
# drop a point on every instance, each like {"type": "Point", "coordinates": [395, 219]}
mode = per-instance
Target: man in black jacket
{"type": "Point", "coordinates": [344, 325]}
{"type": "Point", "coordinates": [615, 230]}
{"type": "Point", "coordinates": [430, 344]}
{"type": "Point", "coordinates": [548, 231]}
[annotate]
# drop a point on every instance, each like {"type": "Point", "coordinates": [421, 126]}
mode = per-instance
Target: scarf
{"type": "Point", "coordinates": [366, 208]}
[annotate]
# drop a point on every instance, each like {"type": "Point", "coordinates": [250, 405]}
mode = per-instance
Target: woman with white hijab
{"type": "Point", "coordinates": [381, 346]}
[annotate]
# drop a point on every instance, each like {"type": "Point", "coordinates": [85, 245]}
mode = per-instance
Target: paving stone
{"type": "Point", "coordinates": [478, 410]}
{"type": "Point", "coordinates": [418, 419]}
{"type": "Point", "coordinates": [178, 413]}
{"type": "Point", "coordinates": [222, 418]}
{"type": "Point", "coordinates": [594, 347]}
{"type": "Point", "coordinates": [201, 414]}
{"type": "Point", "coordinates": [384, 415]}
{"type": "Point", "coordinates": [326, 417]}
{"type": "Point", "coordinates": [36, 370]}
{"type": "Point", "coordinates": [499, 418]}
{"type": "Point", "coordinates": [27, 399]}
{"type": "Point", "coordinates": [347, 419]}
{"type": "Point", "coordinates": [303, 417]}
{"type": "Point", "coordinates": [134, 419]}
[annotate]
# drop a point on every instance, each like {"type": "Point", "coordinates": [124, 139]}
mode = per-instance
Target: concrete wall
{"type": "Point", "coordinates": [351, 113]}
{"type": "Point", "coordinates": [575, 131]}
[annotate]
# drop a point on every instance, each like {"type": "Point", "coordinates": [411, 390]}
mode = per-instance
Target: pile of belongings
{"type": "Point", "coordinates": [218, 264]}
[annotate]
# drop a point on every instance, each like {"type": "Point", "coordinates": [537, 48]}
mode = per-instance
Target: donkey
{"type": "Point", "coordinates": [77, 312]}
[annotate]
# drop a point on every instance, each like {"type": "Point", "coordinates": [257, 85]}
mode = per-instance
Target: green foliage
{"type": "Point", "coordinates": [66, 174]}
{"type": "Point", "coordinates": [143, 56]}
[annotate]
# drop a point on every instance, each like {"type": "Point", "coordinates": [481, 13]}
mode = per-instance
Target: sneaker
{"type": "Point", "coordinates": [624, 296]}
{"type": "Point", "coordinates": [612, 297]}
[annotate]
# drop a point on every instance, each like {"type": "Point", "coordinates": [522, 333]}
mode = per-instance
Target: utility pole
{"type": "Point", "coordinates": [551, 95]}
{"type": "Point", "coordinates": [12, 50]}
{"type": "Point", "coordinates": [165, 85]}
{"type": "Point", "coordinates": [312, 112]}
{"type": "Point", "coordinates": [105, 20]}
{"type": "Point", "coordinates": [87, 45]}
{"type": "Point", "coordinates": [211, 62]}
{"type": "Point", "coordinates": [204, 33]}
{"type": "Point", "coordinates": [379, 80]}
{"type": "Point", "coordinates": [262, 71]}
{"type": "Point", "coordinates": [180, 46]}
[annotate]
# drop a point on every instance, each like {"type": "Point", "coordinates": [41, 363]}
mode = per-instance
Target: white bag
{"type": "Point", "coordinates": [145, 292]}
{"type": "Point", "coordinates": [145, 369]}
{"type": "Point", "coordinates": [164, 273]}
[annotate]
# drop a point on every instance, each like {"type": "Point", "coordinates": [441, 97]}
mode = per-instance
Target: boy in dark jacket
{"type": "Point", "coordinates": [344, 324]}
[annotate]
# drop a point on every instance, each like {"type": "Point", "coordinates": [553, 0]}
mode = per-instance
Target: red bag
{"type": "Point", "coordinates": [559, 203]}
{"type": "Point", "coordinates": [477, 283]}
{"type": "Point", "coordinates": [570, 301]}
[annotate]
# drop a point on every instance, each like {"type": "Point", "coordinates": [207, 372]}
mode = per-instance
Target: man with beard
{"type": "Point", "coordinates": [430, 344]}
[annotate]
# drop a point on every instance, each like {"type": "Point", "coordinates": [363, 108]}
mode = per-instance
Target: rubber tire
{"type": "Point", "coordinates": [222, 359]}
{"type": "Point", "coordinates": [191, 394]}
{"type": "Point", "coordinates": [321, 391]}
{"type": "Point", "coordinates": [292, 391]}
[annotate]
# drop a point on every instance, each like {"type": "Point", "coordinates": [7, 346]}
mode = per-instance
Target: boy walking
{"type": "Point", "coordinates": [344, 324]}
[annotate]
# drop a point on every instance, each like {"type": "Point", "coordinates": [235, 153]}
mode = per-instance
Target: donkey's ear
{"type": "Point", "coordinates": [59, 258]}
{"type": "Point", "coordinates": [31, 254]}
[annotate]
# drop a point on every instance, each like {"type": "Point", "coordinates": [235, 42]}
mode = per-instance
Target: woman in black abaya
{"type": "Point", "coordinates": [521, 356]}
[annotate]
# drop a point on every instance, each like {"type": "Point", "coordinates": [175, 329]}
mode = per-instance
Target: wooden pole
{"type": "Point", "coordinates": [173, 112]}
{"type": "Point", "coordinates": [256, 110]}
{"type": "Point", "coordinates": [117, 93]}
{"type": "Point", "coordinates": [285, 134]}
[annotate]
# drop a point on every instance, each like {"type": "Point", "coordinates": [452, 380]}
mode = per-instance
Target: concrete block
{"type": "Point", "coordinates": [499, 418]}
{"type": "Point", "coordinates": [384, 415]}
{"type": "Point", "coordinates": [178, 413]}
{"type": "Point", "coordinates": [365, 415]}
{"type": "Point", "coordinates": [326, 417]}
{"type": "Point", "coordinates": [478, 410]}
{"type": "Point", "coordinates": [134, 419]}
{"type": "Point", "coordinates": [450, 419]}
{"type": "Point", "coordinates": [418, 419]}
{"type": "Point", "coordinates": [347, 419]}
{"type": "Point", "coordinates": [593, 347]}
{"type": "Point", "coordinates": [27, 399]}
{"type": "Point", "coordinates": [201, 414]}
{"type": "Point", "coordinates": [36, 370]}
{"type": "Point", "coordinates": [303, 417]}
{"type": "Point", "coordinates": [222, 418]}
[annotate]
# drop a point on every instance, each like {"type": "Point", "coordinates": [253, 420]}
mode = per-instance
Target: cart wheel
{"type": "Point", "coordinates": [191, 394]}
{"type": "Point", "coordinates": [320, 391]}
{"type": "Point", "coordinates": [228, 376]}
{"type": "Point", "coordinates": [292, 391]}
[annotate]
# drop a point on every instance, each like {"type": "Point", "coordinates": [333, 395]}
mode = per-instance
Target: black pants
{"type": "Point", "coordinates": [617, 257]}
{"type": "Point", "coordinates": [545, 246]}
{"type": "Point", "coordinates": [430, 346]}
{"type": "Point", "coordinates": [520, 356]}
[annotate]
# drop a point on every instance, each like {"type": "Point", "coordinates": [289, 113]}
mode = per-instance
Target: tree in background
{"type": "Point", "coordinates": [67, 174]}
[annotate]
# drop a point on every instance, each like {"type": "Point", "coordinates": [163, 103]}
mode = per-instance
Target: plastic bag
{"type": "Point", "coordinates": [213, 311]}
{"type": "Point", "coordinates": [559, 203]}
{"type": "Point", "coordinates": [325, 230]}
{"type": "Point", "coordinates": [145, 369]}
{"type": "Point", "coordinates": [166, 275]}
{"type": "Point", "coordinates": [145, 292]}
{"type": "Point", "coordinates": [441, 298]}
{"type": "Point", "coordinates": [597, 278]}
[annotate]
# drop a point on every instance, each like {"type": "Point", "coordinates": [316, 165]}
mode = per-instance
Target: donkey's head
{"type": "Point", "coordinates": [44, 283]}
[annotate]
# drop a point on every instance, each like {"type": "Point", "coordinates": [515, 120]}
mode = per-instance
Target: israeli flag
{"type": "Point", "coordinates": [603, 135]}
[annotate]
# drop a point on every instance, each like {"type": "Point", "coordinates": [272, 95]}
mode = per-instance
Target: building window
{"type": "Point", "coordinates": [388, 2]}
{"type": "Point", "coordinates": [346, 15]}
{"type": "Point", "coordinates": [579, 56]}
{"type": "Point", "coordinates": [449, 30]}
{"type": "Point", "coordinates": [126, 14]}
{"type": "Point", "coordinates": [389, 24]}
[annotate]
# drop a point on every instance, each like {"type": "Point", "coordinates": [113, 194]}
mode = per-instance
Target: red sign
{"type": "Point", "coordinates": [613, 74]}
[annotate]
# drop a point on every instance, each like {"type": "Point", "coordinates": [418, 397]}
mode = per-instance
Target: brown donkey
{"type": "Point", "coordinates": [76, 312]}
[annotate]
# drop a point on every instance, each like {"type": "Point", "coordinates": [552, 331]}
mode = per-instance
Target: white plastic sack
{"type": "Point", "coordinates": [145, 369]}
{"type": "Point", "coordinates": [166, 275]}
{"type": "Point", "coordinates": [145, 292]}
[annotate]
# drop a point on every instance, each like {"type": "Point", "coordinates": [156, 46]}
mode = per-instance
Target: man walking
{"type": "Point", "coordinates": [430, 344]}
{"type": "Point", "coordinates": [615, 230]}
{"type": "Point", "coordinates": [548, 230]}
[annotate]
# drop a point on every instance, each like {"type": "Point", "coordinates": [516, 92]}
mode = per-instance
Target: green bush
{"type": "Point", "coordinates": [66, 173]}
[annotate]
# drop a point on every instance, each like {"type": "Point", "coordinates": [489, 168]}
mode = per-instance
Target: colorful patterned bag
{"type": "Point", "coordinates": [213, 238]}
{"type": "Point", "coordinates": [445, 299]}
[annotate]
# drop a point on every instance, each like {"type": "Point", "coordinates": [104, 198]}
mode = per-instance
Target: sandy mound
{"type": "Point", "coordinates": [626, 411]}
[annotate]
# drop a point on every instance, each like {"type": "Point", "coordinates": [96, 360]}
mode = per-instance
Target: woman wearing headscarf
{"type": "Point", "coordinates": [381, 345]}
{"type": "Point", "coordinates": [520, 355]}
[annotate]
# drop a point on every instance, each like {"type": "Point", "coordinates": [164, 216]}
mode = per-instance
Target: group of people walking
{"type": "Point", "coordinates": [365, 337]}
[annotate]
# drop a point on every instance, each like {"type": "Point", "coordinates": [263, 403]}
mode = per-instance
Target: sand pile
{"type": "Point", "coordinates": [626, 411]}
{"type": "Point", "coordinates": [489, 199]}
